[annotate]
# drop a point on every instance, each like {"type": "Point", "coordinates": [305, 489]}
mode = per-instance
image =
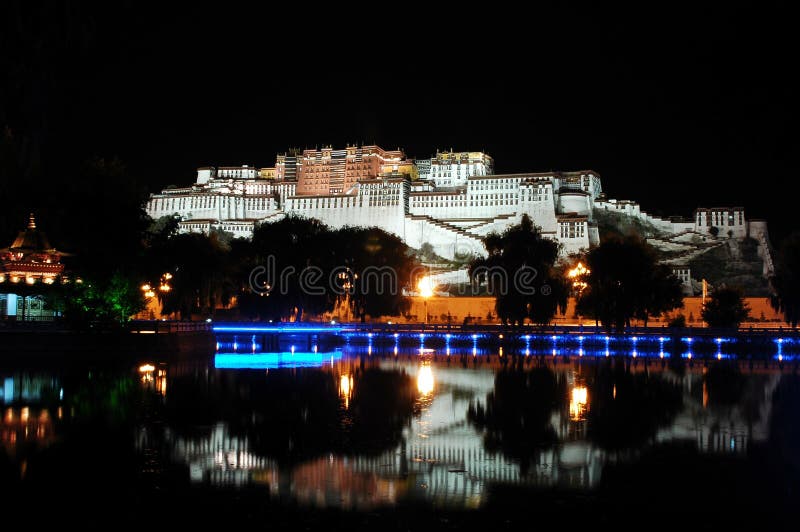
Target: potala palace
{"type": "Point", "coordinates": [450, 201]}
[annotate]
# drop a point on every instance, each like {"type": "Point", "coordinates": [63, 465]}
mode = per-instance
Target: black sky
{"type": "Point", "coordinates": [674, 107]}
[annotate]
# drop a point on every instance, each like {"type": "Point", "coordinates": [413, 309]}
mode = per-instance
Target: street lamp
{"type": "Point", "coordinates": [147, 290]}
{"type": "Point", "coordinates": [578, 277]}
{"type": "Point", "coordinates": [426, 288]}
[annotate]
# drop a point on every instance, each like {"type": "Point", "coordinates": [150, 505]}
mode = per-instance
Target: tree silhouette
{"type": "Point", "coordinates": [725, 308]}
{"type": "Point", "coordinates": [786, 280]}
{"type": "Point", "coordinates": [628, 408]}
{"type": "Point", "coordinates": [519, 271]}
{"type": "Point", "coordinates": [297, 415]}
{"type": "Point", "coordinates": [200, 266]}
{"type": "Point", "coordinates": [366, 267]}
{"type": "Point", "coordinates": [724, 384]}
{"type": "Point", "coordinates": [371, 268]}
{"type": "Point", "coordinates": [290, 249]}
{"type": "Point", "coordinates": [516, 417]}
{"type": "Point", "coordinates": [383, 402]}
{"type": "Point", "coordinates": [665, 294]}
{"type": "Point", "coordinates": [626, 281]}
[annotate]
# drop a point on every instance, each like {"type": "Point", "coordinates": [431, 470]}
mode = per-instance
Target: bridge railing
{"type": "Point", "coordinates": [167, 327]}
{"type": "Point", "coordinates": [572, 330]}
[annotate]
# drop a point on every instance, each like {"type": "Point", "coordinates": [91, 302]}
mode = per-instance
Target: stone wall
{"type": "Point", "coordinates": [479, 308]}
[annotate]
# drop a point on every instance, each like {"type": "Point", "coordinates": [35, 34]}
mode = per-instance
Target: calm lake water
{"type": "Point", "coordinates": [366, 429]}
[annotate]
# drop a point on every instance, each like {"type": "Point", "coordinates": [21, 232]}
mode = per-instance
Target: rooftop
{"type": "Point", "coordinates": [31, 239]}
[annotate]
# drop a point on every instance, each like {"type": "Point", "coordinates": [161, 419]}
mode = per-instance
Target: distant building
{"type": "Point", "coordinates": [336, 171]}
{"type": "Point", "coordinates": [29, 261]}
{"type": "Point", "coordinates": [207, 173]}
{"type": "Point", "coordinates": [423, 168]}
{"type": "Point", "coordinates": [451, 202]}
{"type": "Point", "coordinates": [286, 166]}
{"type": "Point", "coordinates": [724, 221]}
{"type": "Point", "coordinates": [451, 169]}
{"type": "Point", "coordinates": [237, 172]}
{"type": "Point", "coordinates": [684, 273]}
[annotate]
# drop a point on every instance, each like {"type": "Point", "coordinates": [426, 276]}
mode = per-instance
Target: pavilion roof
{"type": "Point", "coordinates": [31, 240]}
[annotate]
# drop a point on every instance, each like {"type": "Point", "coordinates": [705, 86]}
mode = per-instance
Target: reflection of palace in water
{"type": "Point", "coordinates": [442, 457]}
{"type": "Point", "coordinates": [729, 429]}
{"type": "Point", "coordinates": [24, 419]}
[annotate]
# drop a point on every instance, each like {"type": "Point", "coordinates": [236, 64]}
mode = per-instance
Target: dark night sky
{"type": "Point", "coordinates": [675, 108]}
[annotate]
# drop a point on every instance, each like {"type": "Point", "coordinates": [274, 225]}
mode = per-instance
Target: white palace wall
{"type": "Point", "coordinates": [453, 220]}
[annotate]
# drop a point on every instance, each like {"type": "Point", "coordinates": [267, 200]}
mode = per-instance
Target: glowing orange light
{"type": "Point", "coordinates": [146, 368]}
{"type": "Point", "coordinates": [579, 397]}
{"type": "Point", "coordinates": [577, 275]}
{"type": "Point", "coordinates": [425, 381]}
{"type": "Point", "coordinates": [577, 271]}
{"type": "Point", "coordinates": [161, 382]}
{"type": "Point", "coordinates": [346, 389]}
{"type": "Point", "coordinates": [426, 287]}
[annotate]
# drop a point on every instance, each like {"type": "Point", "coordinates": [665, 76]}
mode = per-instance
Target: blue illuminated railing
{"type": "Point", "coordinates": [687, 343]}
{"type": "Point", "coordinates": [287, 329]}
{"type": "Point", "coordinates": [285, 359]}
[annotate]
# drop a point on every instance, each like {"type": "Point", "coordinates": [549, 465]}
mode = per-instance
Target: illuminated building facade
{"type": "Point", "coordinates": [29, 261]}
{"type": "Point", "coordinates": [451, 201]}
{"type": "Point", "coordinates": [286, 165]}
{"type": "Point", "coordinates": [450, 169]}
{"type": "Point", "coordinates": [336, 171]}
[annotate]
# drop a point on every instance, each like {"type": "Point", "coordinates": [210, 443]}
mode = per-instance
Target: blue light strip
{"type": "Point", "coordinates": [286, 359]}
{"type": "Point", "coordinates": [273, 329]}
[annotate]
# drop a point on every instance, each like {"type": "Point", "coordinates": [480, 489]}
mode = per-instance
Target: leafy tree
{"type": "Point", "coordinates": [201, 269]}
{"type": "Point", "coordinates": [520, 272]}
{"type": "Point", "coordinates": [426, 251]}
{"type": "Point", "coordinates": [291, 251]}
{"type": "Point", "coordinates": [122, 298]}
{"type": "Point", "coordinates": [725, 308]}
{"type": "Point", "coordinates": [626, 281]}
{"type": "Point", "coordinates": [786, 281]}
{"type": "Point", "coordinates": [665, 294]}
{"type": "Point", "coordinates": [384, 265]}
{"type": "Point", "coordinates": [161, 230]}
{"type": "Point", "coordinates": [678, 322]}
{"type": "Point", "coordinates": [107, 303]}
{"type": "Point", "coordinates": [309, 268]}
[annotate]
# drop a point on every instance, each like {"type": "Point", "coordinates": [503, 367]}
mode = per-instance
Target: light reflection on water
{"type": "Point", "coordinates": [366, 427]}
{"type": "Point", "coordinates": [469, 429]}
{"type": "Point", "coordinates": [25, 419]}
